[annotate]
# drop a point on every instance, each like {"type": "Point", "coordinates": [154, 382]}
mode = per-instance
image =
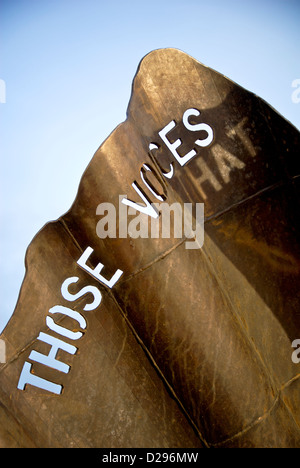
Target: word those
{"type": "Point", "coordinates": [57, 343]}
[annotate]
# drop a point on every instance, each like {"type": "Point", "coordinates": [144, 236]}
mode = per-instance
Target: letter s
{"type": "Point", "coordinates": [296, 354]}
{"type": "Point", "coordinates": [197, 127]}
{"type": "Point", "coordinates": [87, 289]}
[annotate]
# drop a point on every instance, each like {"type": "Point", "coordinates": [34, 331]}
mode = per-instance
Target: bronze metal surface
{"type": "Point", "coordinates": [190, 347]}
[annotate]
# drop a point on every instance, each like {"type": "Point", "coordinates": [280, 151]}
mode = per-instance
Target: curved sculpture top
{"type": "Point", "coordinates": [166, 341]}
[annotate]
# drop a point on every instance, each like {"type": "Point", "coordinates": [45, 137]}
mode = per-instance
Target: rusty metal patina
{"type": "Point", "coordinates": [185, 347]}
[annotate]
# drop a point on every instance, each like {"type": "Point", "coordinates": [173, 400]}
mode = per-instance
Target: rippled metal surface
{"type": "Point", "coordinates": [189, 347]}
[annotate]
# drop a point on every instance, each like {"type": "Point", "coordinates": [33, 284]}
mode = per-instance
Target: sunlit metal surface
{"type": "Point", "coordinates": [152, 344]}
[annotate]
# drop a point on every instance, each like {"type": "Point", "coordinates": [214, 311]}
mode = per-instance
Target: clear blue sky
{"type": "Point", "coordinates": [68, 66]}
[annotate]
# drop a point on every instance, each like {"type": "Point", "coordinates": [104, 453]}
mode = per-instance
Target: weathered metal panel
{"type": "Point", "coordinates": [190, 347]}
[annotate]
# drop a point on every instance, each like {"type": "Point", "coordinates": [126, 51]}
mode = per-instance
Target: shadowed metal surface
{"type": "Point", "coordinates": [190, 348]}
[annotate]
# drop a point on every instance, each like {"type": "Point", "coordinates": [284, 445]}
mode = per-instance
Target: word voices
{"type": "Point", "coordinates": [56, 342]}
{"type": "Point", "coordinates": [149, 207]}
{"type": "Point", "coordinates": [160, 227]}
{"type": "Point", "coordinates": [225, 163]}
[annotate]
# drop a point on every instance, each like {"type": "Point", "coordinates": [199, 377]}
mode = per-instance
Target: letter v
{"type": "Point", "coordinates": [149, 210]}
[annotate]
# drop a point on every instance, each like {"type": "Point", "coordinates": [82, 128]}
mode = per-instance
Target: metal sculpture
{"type": "Point", "coordinates": [167, 342]}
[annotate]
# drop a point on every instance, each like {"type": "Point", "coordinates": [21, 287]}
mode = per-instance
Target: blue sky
{"type": "Point", "coordinates": [68, 66]}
